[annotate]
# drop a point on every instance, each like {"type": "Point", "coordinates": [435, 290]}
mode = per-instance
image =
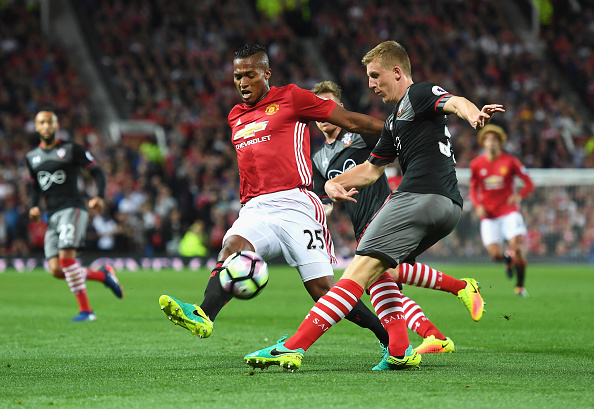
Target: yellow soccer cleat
{"type": "Point", "coordinates": [472, 299]}
{"type": "Point", "coordinates": [432, 345]}
{"type": "Point", "coordinates": [189, 316]}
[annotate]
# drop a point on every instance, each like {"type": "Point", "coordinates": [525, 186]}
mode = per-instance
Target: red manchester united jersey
{"type": "Point", "coordinates": [272, 140]}
{"type": "Point", "coordinates": [492, 183]}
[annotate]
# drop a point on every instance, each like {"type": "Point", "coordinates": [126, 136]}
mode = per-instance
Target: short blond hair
{"type": "Point", "coordinates": [327, 87]}
{"type": "Point", "coordinates": [497, 130]}
{"type": "Point", "coordinates": [389, 54]}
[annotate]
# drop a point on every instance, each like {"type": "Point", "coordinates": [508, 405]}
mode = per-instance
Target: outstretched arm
{"type": "Point", "coordinates": [344, 186]}
{"type": "Point", "coordinates": [355, 122]}
{"type": "Point", "coordinates": [469, 112]}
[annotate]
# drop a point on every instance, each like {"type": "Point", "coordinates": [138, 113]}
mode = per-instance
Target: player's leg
{"type": "Point", "coordinates": [249, 232]}
{"type": "Point", "coordinates": [199, 319]}
{"type": "Point", "coordinates": [493, 235]}
{"type": "Point", "coordinates": [434, 341]}
{"type": "Point", "coordinates": [108, 277]}
{"type": "Point", "coordinates": [520, 263]}
{"type": "Point", "coordinates": [75, 277]}
{"type": "Point", "coordinates": [328, 310]}
{"type": "Point", "coordinates": [360, 314]}
{"type": "Point", "coordinates": [65, 233]}
{"type": "Point", "coordinates": [387, 301]}
{"type": "Point", "coordinates": [514, 229]}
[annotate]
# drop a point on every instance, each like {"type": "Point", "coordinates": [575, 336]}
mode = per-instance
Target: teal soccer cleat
{"type": "Point", "coordinates": [411, 360]}
{"type": "Point", "coordinates": [289, 359]}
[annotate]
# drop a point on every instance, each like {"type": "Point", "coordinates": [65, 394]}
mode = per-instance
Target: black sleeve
{"type": "Point", "coordinates": [34, 189]}
{"type": "Point", "coordinates": [385, 152]}
{"type": "Point", "coordinates": [318, 185]}
{"type": "Point", "coordinates": [100, 180]}
{"type": "Point", "coordinates": [34, 194]}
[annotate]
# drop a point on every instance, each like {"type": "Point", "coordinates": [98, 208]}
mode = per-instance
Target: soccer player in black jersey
{"type": "Point", "coordinates": [425, 208]}
{"type": "Point", "coordinates": [342, 151]}
{"type": "Point", "coordinates": [54, 167]}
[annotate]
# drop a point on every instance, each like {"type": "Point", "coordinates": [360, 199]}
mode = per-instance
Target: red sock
{"type": "Point", "coordinates": [417, 321]}
{"type": "Point", "coordinates": [421, 275]}
{"type": "Point", "coordinates": [95, 275]}
{"type": "Point", "coordinates": [76, 281]}
{"type": "Point", "coordinates": [387, 302]}
{"type": "Point", "coordinates": [329, 310]}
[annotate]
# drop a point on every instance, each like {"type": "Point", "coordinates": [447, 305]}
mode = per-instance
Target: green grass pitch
{"type": "Point", "coordinates": [524, 353]}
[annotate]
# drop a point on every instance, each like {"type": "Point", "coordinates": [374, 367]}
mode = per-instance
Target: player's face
{"type": "Point", "coordinates": [327, 127]}
{"type": "Point", "coordinates": [46, 124]}
{"type": "Point", "coordinates": [382, 82]}
{"type": "Point", "coordinates": [491, 143]}
{"type": "Point", "coordinates": [250, 76]}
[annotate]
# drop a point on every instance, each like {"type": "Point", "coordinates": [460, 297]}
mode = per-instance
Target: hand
{"type": "Point", "coordinates": [481, 211]}
{"type": "Point", "coordinates": [34, 214]}
{"type": "Point", "coordinates": [484, 117]}
{"type": "Point", "coordinates": [97, 204]}
{"type": "Point", "coordinates": [514, 199]}
{"type": "Point", "coordinates": [338, 193]}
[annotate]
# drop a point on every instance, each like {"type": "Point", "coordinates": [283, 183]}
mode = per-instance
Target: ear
{"type": "Point", "coordinates": [397, 72]}
{"type": "Point", "coordinates": [267, 73]}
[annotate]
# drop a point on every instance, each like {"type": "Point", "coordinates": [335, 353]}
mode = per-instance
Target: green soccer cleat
{"type": "Point", "coordinates": [189, 316]}
{"type": "Point", "coordinates": [472, 299]}
{"type": "Point", "coordinates": [411, 360]}
{"type": "Point", "coordinates": [432, 345]}
{"type": "Point", "coordinates": [289, 359]}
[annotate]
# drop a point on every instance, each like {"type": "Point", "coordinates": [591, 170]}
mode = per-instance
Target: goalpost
{"type": "Point", "coordinates": [559, 215]}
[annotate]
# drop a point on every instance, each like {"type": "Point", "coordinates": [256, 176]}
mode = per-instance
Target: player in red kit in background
{"type": "Point", "coordinates": [497, 202]}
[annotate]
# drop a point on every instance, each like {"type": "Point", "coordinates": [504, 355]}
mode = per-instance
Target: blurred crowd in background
{"type": "Point", "coordinates": [172, 66]}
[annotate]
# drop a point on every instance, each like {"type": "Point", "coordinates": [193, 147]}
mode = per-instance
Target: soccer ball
{"type": "Point", "coordinates": [244, 274]}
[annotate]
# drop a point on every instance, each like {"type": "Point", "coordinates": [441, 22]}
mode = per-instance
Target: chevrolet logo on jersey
{"type": "Point", "coordinates": [249, 131]}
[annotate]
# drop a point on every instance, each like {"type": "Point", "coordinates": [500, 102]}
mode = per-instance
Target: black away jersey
{"type": "Point", "coordinates": [417, 134]}
{"type": "Point", "coordinates": [347, 151]}
{"type": "Point", "coordinates": [55, 173]}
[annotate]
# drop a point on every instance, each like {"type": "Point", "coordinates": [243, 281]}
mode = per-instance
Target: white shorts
{"type": "Point", "coordinates": [290, 223]}
{"type": "Point", "coordinates": [499, 229]}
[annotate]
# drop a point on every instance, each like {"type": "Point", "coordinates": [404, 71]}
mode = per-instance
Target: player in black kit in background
{"type": "Point", "coordinates": [54, 167]}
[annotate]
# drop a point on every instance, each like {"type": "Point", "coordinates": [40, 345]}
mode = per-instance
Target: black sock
{"type": "Point", "coordinates": [215, 297]}
{"type": "Point", "coordinates": [507, 258]}
{"type": "Point", "coordinates": [363, 317]}
{"type": "Point", "coordinates": [520, 274]}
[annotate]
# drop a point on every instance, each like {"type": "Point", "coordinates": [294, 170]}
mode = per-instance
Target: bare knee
{"type": "Point", "coordinates": [55, 268]}
{"type": "Point", "coordinates": [318, 287]}
{"type": "Point", "coordinates": [234, 244]}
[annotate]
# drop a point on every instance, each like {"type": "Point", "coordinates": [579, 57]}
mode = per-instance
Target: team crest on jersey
{"type": "Point", "coordinates": [272, 109]}
{"type": "Point", "coordinates": [400, 111]}
{"type": "Point", "coordinates": [347, 139]}
{"type": "Point", "coordinates": [503, 170]}
{"type": "Point", "coordinates": [36, 160]}
{"type": "Point", "coordinates": [61, 153]}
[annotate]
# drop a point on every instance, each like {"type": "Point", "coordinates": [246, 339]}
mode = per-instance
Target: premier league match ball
{"type": "Point", "coordinates": [244, 274]}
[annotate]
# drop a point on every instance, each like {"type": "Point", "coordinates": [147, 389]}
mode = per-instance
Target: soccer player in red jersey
{"type": "Point", "coordinates": [280, 216]}
{"type": "Point", "coordinates": [497, 202]}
